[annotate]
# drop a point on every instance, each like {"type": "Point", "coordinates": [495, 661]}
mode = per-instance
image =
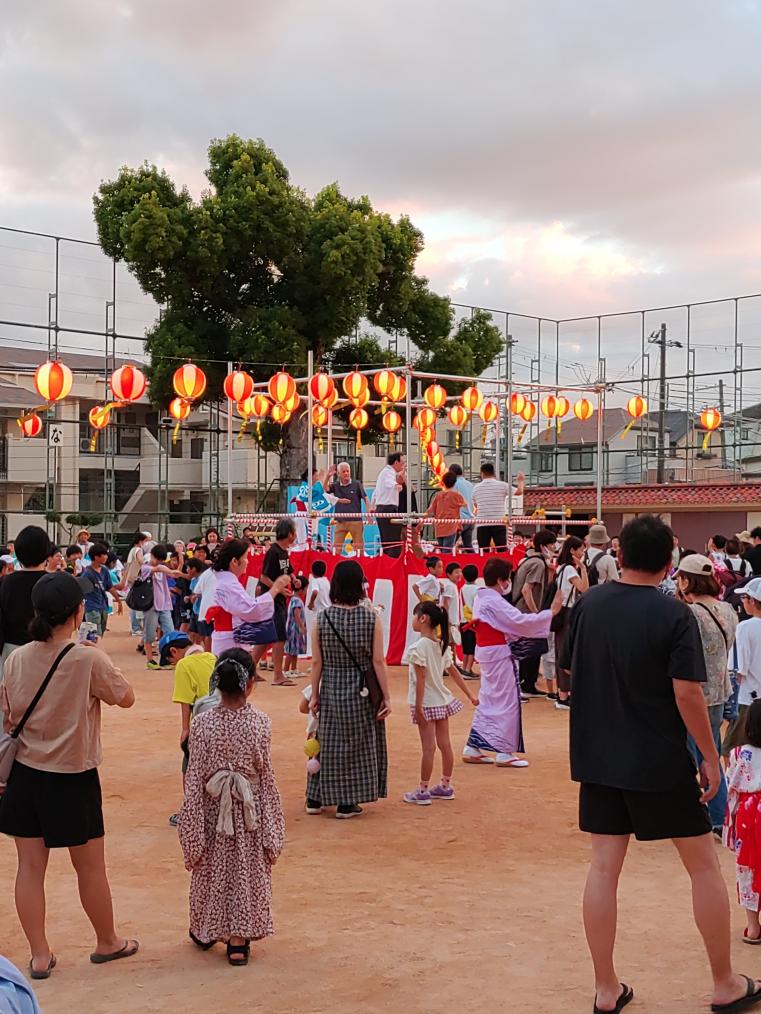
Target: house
{"type": "Point", "coordinates": [567, 455]}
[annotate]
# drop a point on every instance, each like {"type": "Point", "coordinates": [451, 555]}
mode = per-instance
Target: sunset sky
{"type": "Point", "coordinates": [562, 158]}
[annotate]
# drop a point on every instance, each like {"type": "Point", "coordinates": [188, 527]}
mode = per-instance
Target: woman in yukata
{"type": "Point", "coordinates": [496, 734]}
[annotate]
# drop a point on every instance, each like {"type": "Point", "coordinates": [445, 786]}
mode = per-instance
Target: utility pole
{"type": "Point", "coordinates": [659, 338]}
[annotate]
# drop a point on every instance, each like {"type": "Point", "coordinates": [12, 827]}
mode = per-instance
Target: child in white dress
{"type": "Point", "coordinates": [743, 826]}
{"type": "Point", "coordinates": [431, 703]}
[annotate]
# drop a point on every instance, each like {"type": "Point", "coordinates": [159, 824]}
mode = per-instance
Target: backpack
{"type": "Point", "coordinates": [733, 596]}
{"type": "Point", "coordinates": [592, 572]}
{"type": "Point", "coordinates": [140, 597]}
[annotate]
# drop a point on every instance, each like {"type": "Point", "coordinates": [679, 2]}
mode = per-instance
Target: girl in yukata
{"type": "Point", "coordinates": [743, 822]}
{"type": "Point", "coordinates": [496, 735]}
{"type": "Point", "coordinates": [231, 823]}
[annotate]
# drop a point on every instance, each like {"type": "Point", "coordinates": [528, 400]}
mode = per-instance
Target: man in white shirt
{"type": "Point", "coordinates": [600, 566]}
{"type": "Point", "coordinates": [385, 500]}
{"type": "Point", "coordinates": [489, 501]}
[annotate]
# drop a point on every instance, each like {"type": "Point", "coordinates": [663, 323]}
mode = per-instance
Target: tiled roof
{"type": "Point", "coordinates": [12, 396]}
{"type": "Point", "coordinates": [687, 496]}
{"type": "Point", "coordinates": [17, 358]}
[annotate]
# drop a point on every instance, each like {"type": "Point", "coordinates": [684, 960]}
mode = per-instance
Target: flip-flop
{"type": "Point", "coordinates": [45, 973]}
{"type": "Point", "coordinates": [626, 996]}
{"type": "Point", "coordinates": [515, 762]}
{"type": "Point", "coordinates": [130, 948]}
{"type": "Point", "coordinates": [753, 941]}
{"type": "Point", "coordinates": [285, 683]}
{"type": "Point", "coordinates": [751, 998]}
{"type": "Point", "coordinates": [483, 759]}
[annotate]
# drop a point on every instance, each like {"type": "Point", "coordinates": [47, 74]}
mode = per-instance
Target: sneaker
{"type": "Point", "coordinates": [347, 812]}
{"type": "Point", "coordinates": [441, 792]}
{"type": "Point", "coordinates": [563, 705]}
{"type": "Point", "coordinates": [534, 693]}
{"type": "Point", "coordinates": [421, 797]}
{"type": "Point", "coordinates": [468, 674]}
{"type": "Point", "coordinates": [152, 665]}
{"type": "Point", "coordinates": [136, 633]}
{"type": "Point", "coordinates": [552, 697]}
{"type": "Point", "coordinates": [174, 820]}
{"type": "Point", "coordinates": [313, 807]}
{"type": "Point", "coordinates": [140, 648]}
{"type": "Point", "coordinates": [525, 699]}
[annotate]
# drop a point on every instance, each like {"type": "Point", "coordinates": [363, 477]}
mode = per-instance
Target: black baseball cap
{"type": "Point", "coordinates": [57, 595]}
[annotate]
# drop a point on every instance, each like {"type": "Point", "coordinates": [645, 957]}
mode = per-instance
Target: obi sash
{"type": "Point", "coordinates": [486, 635]}
{"type": "Point", "coordinates": [222, 620]}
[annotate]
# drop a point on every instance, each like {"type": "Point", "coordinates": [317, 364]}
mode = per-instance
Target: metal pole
{"type": "Point", "coordinates": [408, 442]}
{"type": "Point", "coordinates": [509, 431]}
{"type": "Point", "coordinates": [661, 474]}
{"type": "Point", "coordinates": [229, 450]}
{"type": "Point", "coordinates": [600, 435]}
{"type": "Point", "coordinates": [310, 437]}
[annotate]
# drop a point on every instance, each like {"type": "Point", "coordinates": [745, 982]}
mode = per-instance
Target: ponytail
{"type": "Point", "coordinates": [437, 617]}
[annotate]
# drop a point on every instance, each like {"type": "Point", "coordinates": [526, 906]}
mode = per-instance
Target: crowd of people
{"type": "Point", "coordinates": [654, 650]}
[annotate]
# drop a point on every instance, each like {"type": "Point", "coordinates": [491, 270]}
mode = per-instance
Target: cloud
{"type": "Point", "coordinates": [561, 158]}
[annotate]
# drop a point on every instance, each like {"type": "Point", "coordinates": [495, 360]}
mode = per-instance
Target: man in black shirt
{"type": "Point", "coordinates": [636, 672]}
{"type": "Point", "coordinates": [753, 556]}
{"type": "Point", "coordinates": [274, 565]}
{"type": "Point", "coordinates": [32, 551]}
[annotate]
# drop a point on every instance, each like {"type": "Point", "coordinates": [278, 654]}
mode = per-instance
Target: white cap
{"type": "Point", "coordinates": [146, 535]}
{"type": "Point", "coordinates": [7, 558]}
{"type": "Point", "coordinates": [752, 589]}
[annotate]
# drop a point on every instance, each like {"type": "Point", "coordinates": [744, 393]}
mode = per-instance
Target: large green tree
{"type": "Point", "coordinates": [258, 272]}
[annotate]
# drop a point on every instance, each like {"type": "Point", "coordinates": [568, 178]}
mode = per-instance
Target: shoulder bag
{"type": "Point", "coordinates": [731, 705]}
{"type": "Point", "coordinates": [369, 677]}
{"type": "Point", "coordinates": [9, 740]}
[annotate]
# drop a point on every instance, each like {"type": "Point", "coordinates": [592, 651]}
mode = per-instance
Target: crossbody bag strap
{"type": "Point", "coordinates": [716, 621]}
{"type": "Point", "coordinates": [43, 686]}
{"type": "Point", "coordinates": [344, 645]}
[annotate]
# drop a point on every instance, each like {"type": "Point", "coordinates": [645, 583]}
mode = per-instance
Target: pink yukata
{"type": "Point", "coordinates": [496, 724]}
{"type": "Point", "coordinates": [231, 598]}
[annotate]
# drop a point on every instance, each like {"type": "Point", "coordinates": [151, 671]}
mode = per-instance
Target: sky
{"type": "Point", "coordinates": [563, 158]}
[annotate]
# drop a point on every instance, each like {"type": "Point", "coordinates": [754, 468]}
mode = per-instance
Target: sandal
{"type": "Point", "coordinates": [200, 943]}
{"type": "Point", "coordinates": [45, 973]}
{"type": "Point", "coordinates": [131, 947]}
{"type": "Point", "coordinates": [284, 683]}
{"type": "Point", "coordinates": [234, 950]}
{"type": "Point", "coordinates": [626, 996]}
{"type": "Point", "coordinates": [751, 998]}
{"type": "Point", "coordinates": [754, 941]}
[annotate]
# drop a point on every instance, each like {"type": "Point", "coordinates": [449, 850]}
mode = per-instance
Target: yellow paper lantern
{"type": "Point", "coordinates": [281, 387]}
{"type": "Point", "coordinates": [583, 409]}
{"type": "Point", "coordinates": [517, 403]}
{"type": "Point", "coordinates": [355, 386]}
{"type": "Point", "coordinates": [488, 411]}
{"type": "Point", "coordinates": [358, 419]}
{"type": "Point", "coordinates": [471, 399]}
{"type": "Point", "coordinates": [189, 382]}
{"type": "Point", "coordinates": [53, 381]}
{"type": "Point", "coordinates": [238, 386]}
{"type": "Point", "coordinates": [279, 414]}
{"type": "Point", "coordinates": [435, 396]}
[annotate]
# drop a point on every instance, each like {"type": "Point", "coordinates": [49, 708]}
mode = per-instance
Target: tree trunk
{"type": "Point", "coordinates": [294, 458]}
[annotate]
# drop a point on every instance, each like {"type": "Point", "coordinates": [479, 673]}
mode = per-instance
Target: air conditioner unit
{"type": "Point", "coordinates": [84, 445]}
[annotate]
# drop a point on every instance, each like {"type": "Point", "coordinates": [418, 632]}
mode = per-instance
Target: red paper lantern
{"type": "Point", "coordinates": [320, 416]}
{"type": "Point", "coordinates": [435, 396]}
{"type": "Point", "coordinates": [425, 419]}
{"type": "Point", "coordinates": [528, 411]}
{"type": "Point", "coordinates": [392, 422]}
{"type": "Point", "coordinates": [179, 409]}
{"type": "Point", "coordinates": [238, 385]}
{"type": "Point", "coordinates": [358, 418]}
{"type": "Point", "coordinates": [282, 387]}
{"type": "Point", "coordinates": [99, 417]}
{"type": "Point", "coordinates": [549, 406]}
{"type": "Point", "coordinates": [260, 405]}
{"type": "Point", "coordinates": [322, 387]}
{"type": "Point", "coordinates": [280, 414]}
{"type": "Point", "coordinates": [488, 411]}
{"type": "Point", "coordinates": [53, 381]}
{"type": "Point", "coordinates": [292, 403]}
{"type": "Point", "coordinates": [399, 388]}
{"type": "Point", "coordinates": [471, 398]}
{"type": "Point", "coordinates": [636, 407]}
{"type": "Point", "coordinates": [432, 448]}
{"type": "Point", "coordinates": [332, 400]}
{"type": "Point", "coordinates": [517, 403]}
{"type": "Point", "coordinates": [385, 383]}
{"type": "Point", "coordinates": [31, 425]}
{"type": "Point", "coordinates": [710, 419]}
{"type": "Point", "coordinates": [562, 407]}
{"type": "Point", "coordinates": [437, 460]}
{"type": "Point", "coordinates": [128, 384]}
{"type": "Point", "coordinates": [583, 409]}
{"type": "Point", "coordinates": [457, 415]}
{"type": "Point", "coordinates": [189, 382]}
{"type": "Point", "coordinates": [355, 387]}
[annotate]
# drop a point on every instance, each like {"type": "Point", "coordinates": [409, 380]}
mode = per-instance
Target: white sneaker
{"type": "Point", "coordinates": [509, 760]}
{"type": "Point", "coordinates": [471, 755]}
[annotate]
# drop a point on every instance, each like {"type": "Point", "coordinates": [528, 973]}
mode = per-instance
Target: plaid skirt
{"type": "Point", "coordinates": [440, 712]}
{"type": "Point", "coordinates": [353, 757]}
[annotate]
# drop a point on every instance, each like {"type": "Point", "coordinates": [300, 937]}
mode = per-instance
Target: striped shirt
{"type": "Point", "coordinates": [489, 497]}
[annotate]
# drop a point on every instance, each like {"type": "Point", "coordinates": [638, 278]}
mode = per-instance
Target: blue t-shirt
{"type": "Point", "coordinates": [465, 487]}
{"type": "Point", "coordinates": [96, 601]}
{"type": "Point", "coordinates": [197, 603]}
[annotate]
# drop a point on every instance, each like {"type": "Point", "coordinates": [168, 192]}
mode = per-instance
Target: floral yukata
{"type": "Point", "coordinates": [742, 830]}
{"type": "Point", "coordinates": [497, 721]}
{"type": "Point", "coordinates": [231, 824]}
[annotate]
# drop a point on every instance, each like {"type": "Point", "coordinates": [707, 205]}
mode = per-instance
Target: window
{"type": "Point", "coordinates": [3, 458]}
{"type": "Point", "coordinates": [645, 444]}
{"type": "Point", "coordinates": [745, 434]}
{"type": "Point", "coordinates": [128, 435]}
{"type": "Point", "coordinates": [581, 459]}
{"type": "Point", "coordinates": [35, 502]}
{"type": "Point", "coordinates": [196, 448]}
{"type": "Point", "coordinates": [175, 447]}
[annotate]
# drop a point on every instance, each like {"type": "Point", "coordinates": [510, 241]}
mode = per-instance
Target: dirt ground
{"type": "Point", "coordinates": [472, 904]}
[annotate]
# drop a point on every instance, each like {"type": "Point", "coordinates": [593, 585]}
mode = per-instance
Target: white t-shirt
{"type": "Point", "coordinates": [739, 566]}
{"type": "Point", "coordinates": [450, 600]}
{"type": "Point", "coordinates": [321, 585]}
{"type": "Point", "coordinates": [748, 641]}
{"type": "Point", "coordinates": [427, 652]}
{"type": "Point", "coordinates": [430, 586]}
{"type": "Point", "coordinates": [205, 588]}
{"type": "Point", "coordinates": [489, 497]}
{"type": "Point", "coordinates": [604, 565]}
{"type": "Point", "coordinates": [468, 594]}
{"type": "Point", "coordinates": [566, 576]}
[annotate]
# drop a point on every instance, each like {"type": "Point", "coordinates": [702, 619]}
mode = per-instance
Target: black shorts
{"type": "Point", "coordinates": [468, 641]}
{"type": "Point", "coordinates": [64, 810]}
{"type": "Point", "coordinates": [649, 816]}
{"type": "Point", "coordinates": [201, 627]}
{"type": "Point", "coordinates": [279, 618]}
